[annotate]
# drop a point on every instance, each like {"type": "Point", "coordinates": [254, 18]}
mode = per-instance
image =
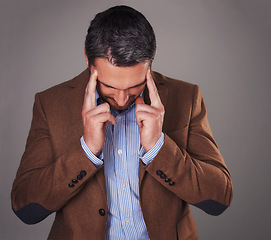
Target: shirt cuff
{"type": "Point", "coordinates": [147, 157]}
{"type": "Point", "coordinates": [94, 159]}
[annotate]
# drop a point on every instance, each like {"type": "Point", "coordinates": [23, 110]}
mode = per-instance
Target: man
{"type": "Point", "coordinates": [120, 151]}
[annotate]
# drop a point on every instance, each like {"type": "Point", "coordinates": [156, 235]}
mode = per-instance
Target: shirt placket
{"type": "Point", "coordinates": [122, 178]}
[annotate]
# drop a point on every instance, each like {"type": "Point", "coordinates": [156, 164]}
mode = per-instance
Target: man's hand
{"type": "Point", "coordinates": [95, 118]}
{"type": "Point", "coordinates": [150, 118]}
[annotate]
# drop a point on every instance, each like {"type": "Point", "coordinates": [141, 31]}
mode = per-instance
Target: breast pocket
{"type": "Point", "coordinates": [179, 136]}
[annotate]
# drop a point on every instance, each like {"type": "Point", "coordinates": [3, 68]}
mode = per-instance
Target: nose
{"type": "Point", "coordinates": [121, 97]}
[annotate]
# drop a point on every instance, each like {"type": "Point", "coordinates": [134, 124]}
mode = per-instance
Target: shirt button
{"type": "Point", "coordinates": [119, 152]}
{"type": "Point", "coordinates": [123, 185]}
{"type": "Point", "coordinates": [127, 221]}
{"type": "Point", "coordinates": [119, 117]}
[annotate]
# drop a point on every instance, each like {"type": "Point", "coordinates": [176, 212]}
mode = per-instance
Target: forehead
{"type": "Point", "coordinates": [120, 77]}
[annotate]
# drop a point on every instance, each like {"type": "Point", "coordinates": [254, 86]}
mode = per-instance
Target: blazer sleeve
{"type": "Point", "coordinates": [196, 173]}
{"type": "Point", "coordinates": [44, 183]}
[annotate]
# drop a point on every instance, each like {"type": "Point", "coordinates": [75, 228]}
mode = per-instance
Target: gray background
{"type": "Point", "coordinates": [223, 45]}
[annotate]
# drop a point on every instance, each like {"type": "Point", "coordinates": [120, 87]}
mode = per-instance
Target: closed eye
{"type": "Point", "coordinates": [140, 84]}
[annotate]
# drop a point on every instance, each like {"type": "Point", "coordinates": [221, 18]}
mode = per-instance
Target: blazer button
{"type": "Point", "coordinates": [163, 176]}
{"type": "Point", "coordinates": [71, 185]}
{"type": "Point", "coordinates": [167, 180]}
{"type": "Point", "coordinates": [79, 177]}
{"type": "Point", "coordinates": [159, 172]}
{"type": "Point", "coordinates": [102, 212]}
{"type": "Point", "coordinates": [172, 183]}
{"type": "Point", "coordinates": [83, 173]}
{"type": "Point", "coordinates": [74, 181]}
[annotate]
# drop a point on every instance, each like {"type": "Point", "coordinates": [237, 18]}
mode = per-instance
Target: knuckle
{"type": "Point", "coordinates": [138, 107]}
{"type": "Point", "coordinates": [138, 113]}
{"type": "Point", "coordinates": [106, 106]}
{"type": "Point", "coordinates": [108, 115]}
{"type": "Point", "coordinates": [89, 117]}
{"type": "Point", "coordinates": [92, 121]}
{"type": "Point", "coordinates": [163, 112]}
{"type": "Point", "coordinates": [154, 117]}
{"type": "Point", "coordinates": [84, 112]}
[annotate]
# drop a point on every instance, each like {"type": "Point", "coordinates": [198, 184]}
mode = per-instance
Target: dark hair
{"type": "Point", "coordinates": [122, 35]}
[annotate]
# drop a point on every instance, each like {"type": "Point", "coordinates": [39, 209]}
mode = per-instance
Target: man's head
{"type": "Point", "coordinates": [120, 46]}
{"type": "Point", "coordinates": [122, 35]}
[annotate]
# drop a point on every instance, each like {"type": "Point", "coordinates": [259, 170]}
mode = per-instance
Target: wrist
{"type": "Point", "coordinates": [95, 151]}
{"type": "Point", "coordinates": [148, 147]}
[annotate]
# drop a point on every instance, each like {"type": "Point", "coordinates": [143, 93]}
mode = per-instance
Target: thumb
{"type": "Point", "coordinates": [139, 100]}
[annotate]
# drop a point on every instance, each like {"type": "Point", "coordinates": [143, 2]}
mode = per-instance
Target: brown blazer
{"type": "Point", "coordinates": [53, 158]}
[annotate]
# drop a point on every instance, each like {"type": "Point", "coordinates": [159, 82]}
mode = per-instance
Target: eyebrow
{"type": "Point", "coordinates": [123, 89]}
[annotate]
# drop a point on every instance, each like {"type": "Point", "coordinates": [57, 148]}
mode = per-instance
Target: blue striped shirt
{"type": "Point", "coordinates": [121, 153]}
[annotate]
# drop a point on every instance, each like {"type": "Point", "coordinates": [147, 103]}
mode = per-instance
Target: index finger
{"type": "Point", "coordinates": [90, 92]}
{"type": "Point", "coordinates": [153, 92]}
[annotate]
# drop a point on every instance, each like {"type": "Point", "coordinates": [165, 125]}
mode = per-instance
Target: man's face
{"type": "Point", "coordinates": [119, 86]}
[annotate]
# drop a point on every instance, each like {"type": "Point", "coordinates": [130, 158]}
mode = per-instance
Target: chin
{"type": "Point", "coordinates": [120, 108]}
{"type": "Point", "coordinates": [114, 105]}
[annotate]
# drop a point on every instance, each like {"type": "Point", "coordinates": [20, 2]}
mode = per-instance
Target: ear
{"type": "Point", "coordinates": [86, 57]}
